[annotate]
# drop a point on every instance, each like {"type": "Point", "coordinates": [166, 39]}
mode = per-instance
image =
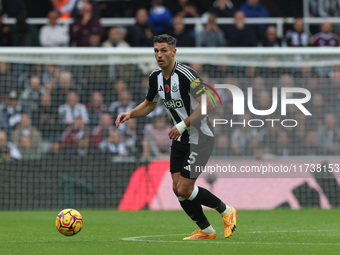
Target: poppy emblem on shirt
{"type": "Point", "coordinates": [167, 88]}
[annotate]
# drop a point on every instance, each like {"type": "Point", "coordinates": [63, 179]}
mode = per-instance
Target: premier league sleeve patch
{"type": "Point", "coordinates": [197, 88]}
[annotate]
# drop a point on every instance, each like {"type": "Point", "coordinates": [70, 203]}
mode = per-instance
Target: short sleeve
{"type": "Point", "coordinates": [193, 82]}
{"type": "Point", "coordinates": [152, 94]}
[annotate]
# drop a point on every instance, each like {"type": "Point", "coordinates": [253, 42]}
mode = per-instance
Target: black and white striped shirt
{"type": "Point", "coordinates": [67, 113]}
{"type": "Point", "coordinates": [178, 95]}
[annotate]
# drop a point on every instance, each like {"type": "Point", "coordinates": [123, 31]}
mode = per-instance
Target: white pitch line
{"type": "Point", "coordinates": [53, 241]}
{"type": "Point", "coordinates": [288, 231]}
{"type": "Point", "coordinates": [146, 239]}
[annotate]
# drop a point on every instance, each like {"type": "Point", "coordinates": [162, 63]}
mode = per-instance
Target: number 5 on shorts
{"type": "Point", "coordinates": [192, 157]}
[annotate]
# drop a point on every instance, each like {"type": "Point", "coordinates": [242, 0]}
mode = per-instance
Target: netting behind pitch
{"type": "Point", "coordinates": [59, 145]}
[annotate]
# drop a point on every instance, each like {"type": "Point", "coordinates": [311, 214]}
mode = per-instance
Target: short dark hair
{"type": "Point", "coordinates": [165, 38]}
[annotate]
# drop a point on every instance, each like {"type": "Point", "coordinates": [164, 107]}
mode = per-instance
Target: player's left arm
{"type": "Point", "coordinates": [195, 116]}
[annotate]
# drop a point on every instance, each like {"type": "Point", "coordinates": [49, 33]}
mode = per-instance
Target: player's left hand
{"type": "Point", "coordinates": [174, 134]}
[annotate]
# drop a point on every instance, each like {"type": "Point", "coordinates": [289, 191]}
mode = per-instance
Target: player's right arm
{"type": "Point", "coordinates": [140, 110]}
{"type": "Point", "coordinates": [144, 108]}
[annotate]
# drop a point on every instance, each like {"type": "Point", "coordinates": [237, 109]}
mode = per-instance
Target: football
{"type": "Point", "coordinates": [69, 222]}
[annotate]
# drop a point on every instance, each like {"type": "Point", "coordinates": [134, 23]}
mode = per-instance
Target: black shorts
{"type": "Point", "coordinates": [189, 159]}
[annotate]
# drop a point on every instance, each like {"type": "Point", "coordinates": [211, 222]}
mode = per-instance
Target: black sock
{"type": "Point", "coordinates": [195, 212]}
{"type": "Point", "coordinates": [205, 197]}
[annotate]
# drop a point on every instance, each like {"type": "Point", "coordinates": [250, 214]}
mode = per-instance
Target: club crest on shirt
{"type": "Point", "coordinates": [174, 87]}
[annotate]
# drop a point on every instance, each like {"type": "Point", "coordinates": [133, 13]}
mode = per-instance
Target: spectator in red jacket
{"type": "Point", "coordinates": [83, 25]}
{"type": "Point", "coordinates": [326, 37]}
{"type": "Point", "coordinates": [74, 133]}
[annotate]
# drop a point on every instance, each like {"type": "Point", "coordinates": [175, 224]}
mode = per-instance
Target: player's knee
{"type": "Point", "coordinates": [174, 189]}
{"type": "Point", "coordinates": [183, 192]}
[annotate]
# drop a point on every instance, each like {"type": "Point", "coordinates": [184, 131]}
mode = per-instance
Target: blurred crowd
{"type": "Point", "coordinates": [68, 112]}
{"type": "Point", "coordinates": [316, 134]}
{"type": "Point", "coordinates": [163, 16]}
{"type": "Point", "coordinates": [50, 111]}
{"type": "Point", "coordinates": [58, 112]}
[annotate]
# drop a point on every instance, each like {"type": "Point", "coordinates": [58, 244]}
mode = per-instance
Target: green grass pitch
{"type": "Point", "coordinates": [161, 232]}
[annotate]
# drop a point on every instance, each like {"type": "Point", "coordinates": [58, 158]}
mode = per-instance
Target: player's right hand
{"type": "Point", "coordinates": [123, 117]}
